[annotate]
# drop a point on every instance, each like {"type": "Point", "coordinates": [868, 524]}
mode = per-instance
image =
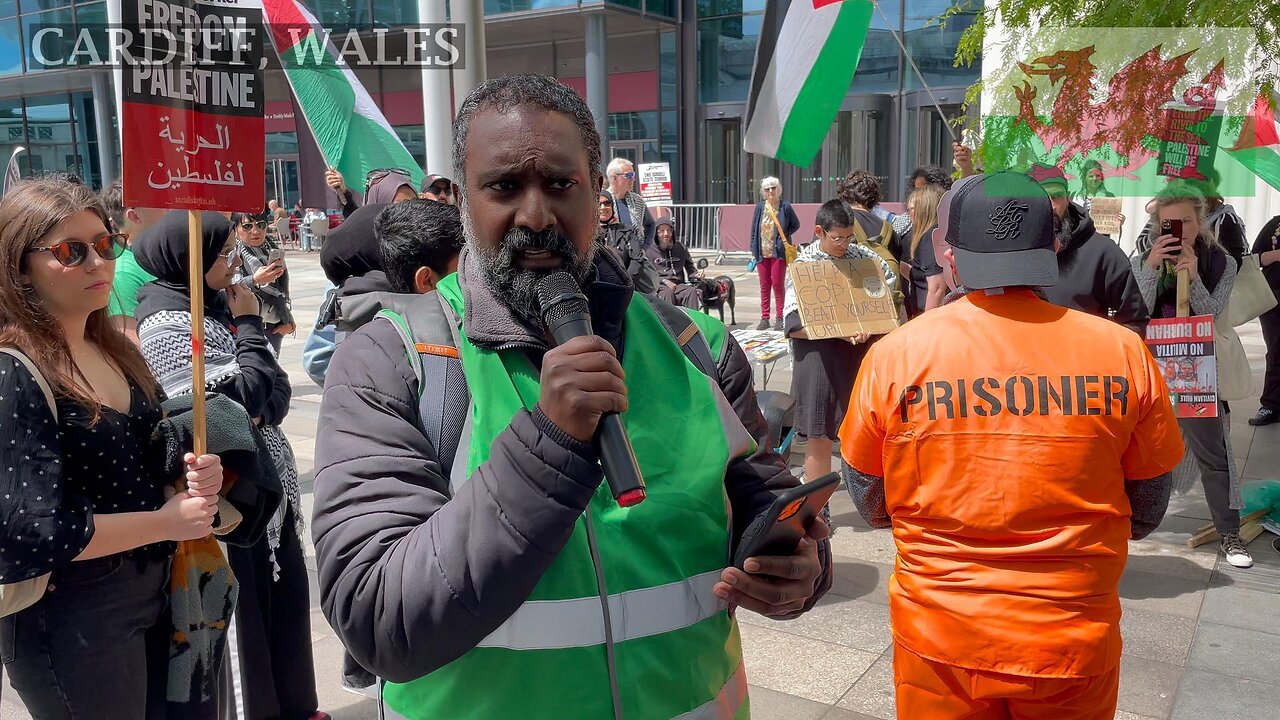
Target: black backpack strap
{"type": "Point", "coordinates": [687, 335]}
{"type": "Point", "coordinates": [429, 330]}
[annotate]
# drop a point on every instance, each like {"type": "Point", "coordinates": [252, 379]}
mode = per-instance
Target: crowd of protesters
{"type": "Point", "coordinates": [105, 509]}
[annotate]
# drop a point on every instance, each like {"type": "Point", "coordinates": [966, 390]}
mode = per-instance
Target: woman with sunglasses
{"type": "Point", "coordinates": [270, 654]}
{"type": "Point", "coordinates": [78, 500]}
{"type": "Point", "coordinates": [262, 272]}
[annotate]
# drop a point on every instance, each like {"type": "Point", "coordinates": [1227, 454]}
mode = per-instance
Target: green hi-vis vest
{"type": "Point", "coordinates": [662, 646]}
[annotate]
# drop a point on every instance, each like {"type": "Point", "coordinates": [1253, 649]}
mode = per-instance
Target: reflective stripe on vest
{"type": "Point", "coordinates": [549, 624]}
{"type": "Point", "coordinates": [723, 706]}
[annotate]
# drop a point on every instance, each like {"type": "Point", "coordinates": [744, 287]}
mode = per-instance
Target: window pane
{"type": "Point", "coordinates": [92, 17]}
{"type": "Point", "coordinates": [878, 66]}
{"type": "Point", "coordinates": [339, 13]}
{"type": "Point", "coordinates": [498, 7]}
{"type": "Point", "coordinates": [666, 8]}
{"type": "Point", "coordinates": [395, 12]}
{"type": "Point", "coordinates": [52, 48]}
{"type": "Point", "coordinates": [713, 8]}
{"type": "Point", "coordinates": [48, 158]}
{"type": "Point", "coordinates": [934, 48]}
{"type": "Point", "coordinates": [633, 4]}
{"type": "Point", "coordinates": [85, 120]}
{"type": "Point", "coordinates": [11, 128]}
{"type": "Point", "coordinates": [671, 147]}
{"type": "Point", "coordinates": [414, 139]}
{"type": "Point", "coordinates": [633, 126]}
{"type": "Point", "coordinates": [8, 8]}
{"type": "Point", "coordinates": [667, 69]}
{"type": "Point", "coordinates": [34, 6]}
{"type": "Point", "coordinates": [282, 143]}
{"type": "Point", "coordinates": [726, 51]}
{"type": "Point", "coordinates": [10, 47]}
{"type": "Point", "coordinates": [49, 119]}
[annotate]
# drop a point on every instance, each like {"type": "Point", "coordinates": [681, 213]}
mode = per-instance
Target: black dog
{"type": "Point", "coordinates": [718, 292]}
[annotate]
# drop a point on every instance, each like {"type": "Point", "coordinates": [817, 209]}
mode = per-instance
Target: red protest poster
{"type": "Point", "coordinates": [192, 111]}
{"type": "Point", "coordinates": [1183, 348]}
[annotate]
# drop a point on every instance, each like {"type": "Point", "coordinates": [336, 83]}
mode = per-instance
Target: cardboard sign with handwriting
{"type": "Point", "coordinates": [841, 298]}
{"type": "Point", "coordinates": [1105, 212]}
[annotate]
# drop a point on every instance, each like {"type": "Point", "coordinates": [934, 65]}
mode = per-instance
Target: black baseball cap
{"type": "Point", "coordinates": [1000, 229]}
{"type": "Point", "coordinates": [432, 179]}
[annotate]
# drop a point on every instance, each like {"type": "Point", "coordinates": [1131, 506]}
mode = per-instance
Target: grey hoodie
{"type": "Point", "coordinates": [411, 578]}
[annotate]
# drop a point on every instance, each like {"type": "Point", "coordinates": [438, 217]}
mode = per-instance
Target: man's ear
{"type": "Point", "coordinates": [424, 280]}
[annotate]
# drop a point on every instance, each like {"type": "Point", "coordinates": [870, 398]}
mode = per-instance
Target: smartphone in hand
{"type": "Point", "coordinates": [275, 256]}
{"type": "Point", "coordinates": [1174, 228]}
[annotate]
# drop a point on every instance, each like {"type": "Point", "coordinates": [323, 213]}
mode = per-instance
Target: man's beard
{"type": "Point", "coordinates": [1064, 229]}
{"type": "Point", "coordinates": [517, 288]}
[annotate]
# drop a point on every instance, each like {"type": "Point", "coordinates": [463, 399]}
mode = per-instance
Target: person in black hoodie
{"type": "Point", "coordinates": [352, 261]}
{"type": "Point", "coordinates": [1094, 274]}
{"type": "Point", "coordinates": [677, 275]}
{"type": "Point", "coordinates": [1267, 248]}
{"type": "Point", "coordinates": [270, 659]}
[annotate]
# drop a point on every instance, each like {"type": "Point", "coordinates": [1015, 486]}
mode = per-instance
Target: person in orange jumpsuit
{"type": "Point", "coordinates": [1014, 447]}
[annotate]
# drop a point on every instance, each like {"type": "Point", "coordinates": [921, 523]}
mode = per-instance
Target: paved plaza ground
{"type": "Point", "coordinates": [1201, 638]}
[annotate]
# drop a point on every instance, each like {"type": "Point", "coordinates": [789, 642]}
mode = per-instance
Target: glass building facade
{"type": "Point", "coordinates": [678, 77]}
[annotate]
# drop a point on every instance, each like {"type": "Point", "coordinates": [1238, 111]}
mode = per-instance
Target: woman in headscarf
{"type": "Point", "coordinates": [270, 658]}
{"type": "Point", "coordinates": [263, 275]}
{"type": "Point", "coordinates": [388, 185]}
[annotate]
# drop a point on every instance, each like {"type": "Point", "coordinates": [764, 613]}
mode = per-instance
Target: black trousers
{"type": "Point", "coordinates": [1205, 438]}
{"type": "Point", "coordinates": [1271, 381]}
{"type": "Point", "coordinates": [271, 669]}
{"type": "Point", "coordinates": [96, 645]}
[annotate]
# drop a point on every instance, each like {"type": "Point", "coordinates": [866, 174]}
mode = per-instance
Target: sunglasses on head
{"type": "Point", "coordinates": [376, 175]}
{"type": "Point", "coordinates": [251, 224]}
{"type": "Point", "coordinates": [72, 253]}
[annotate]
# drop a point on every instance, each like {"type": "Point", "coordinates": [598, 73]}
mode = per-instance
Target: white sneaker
{"type": "Point", "coordinates": [1233, 548]}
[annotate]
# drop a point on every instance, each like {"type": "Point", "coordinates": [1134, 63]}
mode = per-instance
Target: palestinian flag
{"type": "Point", "coordinates": [804, 66]}
{"type": "Point", "coordinates": [1259, 145]}
{"type": "Point", "coordinates": [352, 133]}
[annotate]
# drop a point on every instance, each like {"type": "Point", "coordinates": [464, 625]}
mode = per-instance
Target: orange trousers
{"type": "Point", "coordinates": [929, 690]}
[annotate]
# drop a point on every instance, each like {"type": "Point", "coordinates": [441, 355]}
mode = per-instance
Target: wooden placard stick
{"type": "Point", "coordinates": [195, 252]}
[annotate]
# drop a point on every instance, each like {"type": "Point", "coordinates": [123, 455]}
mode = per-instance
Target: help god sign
{"type": "Point", "coordinates": [841, 298]}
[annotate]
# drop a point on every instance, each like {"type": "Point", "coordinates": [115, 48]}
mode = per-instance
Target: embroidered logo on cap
{"type": "Point", "coordinates": [1006, 220]}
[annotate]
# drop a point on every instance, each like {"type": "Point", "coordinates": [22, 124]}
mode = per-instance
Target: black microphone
{"type": "Point", "coordinates": [564, 310]}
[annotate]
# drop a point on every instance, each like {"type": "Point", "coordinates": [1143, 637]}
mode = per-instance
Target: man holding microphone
{"type": "Point", "coordinates": [492, 574]}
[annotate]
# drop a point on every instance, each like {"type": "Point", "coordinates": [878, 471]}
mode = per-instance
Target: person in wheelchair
{"type": "Point", "coordinates": [679, 280]}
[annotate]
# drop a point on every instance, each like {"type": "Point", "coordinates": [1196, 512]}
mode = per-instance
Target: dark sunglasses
{"type": "Point", "coordinates": [379, 173]}
{"type": "Point", "coordinates": [251, 224]}
{"type": "Point", "coordinates": [628, 175]}
{"type": "Point", "coordinates": [442, 189]}
{"type": "Point", "coordinates": [72, 253]}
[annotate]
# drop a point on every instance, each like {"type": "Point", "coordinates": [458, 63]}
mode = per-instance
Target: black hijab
{"type": "Point", "coordinates": [351, 250]}
{"type": "Point", "coordinates": [162, 251]}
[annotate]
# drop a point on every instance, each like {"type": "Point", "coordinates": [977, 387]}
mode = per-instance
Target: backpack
{"type": "Point", "coordinates": [880, 246]}
{"type": "Point", "coordinates": [429, 330]}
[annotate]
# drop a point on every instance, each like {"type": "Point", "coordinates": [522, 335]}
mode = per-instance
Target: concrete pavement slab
{"type": "Point", "coordinates": [811, 669]}
{"type": "Point", "coordinates": [1208, 695]}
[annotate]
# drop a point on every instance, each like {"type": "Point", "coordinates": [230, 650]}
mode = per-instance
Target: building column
{"type": "Point", "coordinates": [469, 14]}
{"type": "Point", "coordinates": [597, 42]}
{"type": "Point", "coordinates": [103, 102]}
{"type": "Point", "coordinates": [437, 101]}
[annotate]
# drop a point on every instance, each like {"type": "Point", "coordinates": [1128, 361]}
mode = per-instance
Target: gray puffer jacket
{"type": "Point", "coordinates": [411, 578]}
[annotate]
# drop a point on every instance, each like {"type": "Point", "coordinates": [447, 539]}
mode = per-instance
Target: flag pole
{"type": "Point", "coordinates": [896, 36]}
{"type": "Point", "coordinates": [195, 247]}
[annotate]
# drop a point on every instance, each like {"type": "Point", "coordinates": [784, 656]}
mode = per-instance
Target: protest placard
{"type": "Point", "coordinates": [1105, 212]}
{"type": "Point", "coordinates": [655, 184]}
{"type": "Point", "coordinates": [841, 298]}
{"type": "Point", "coordinates": [192, 105]}
{"type": "Point", "coordinates": [1183, 348]}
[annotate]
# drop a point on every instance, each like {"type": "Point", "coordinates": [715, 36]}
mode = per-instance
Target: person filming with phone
{"type": "Point", "coordinates": [1184, 243]}
{"type": "Point", "coordinates": [465, 529]}
{"type": "Point", "coordinates": [1015, 447]}
{"type": "Point", "coordinates": [262, 272]}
